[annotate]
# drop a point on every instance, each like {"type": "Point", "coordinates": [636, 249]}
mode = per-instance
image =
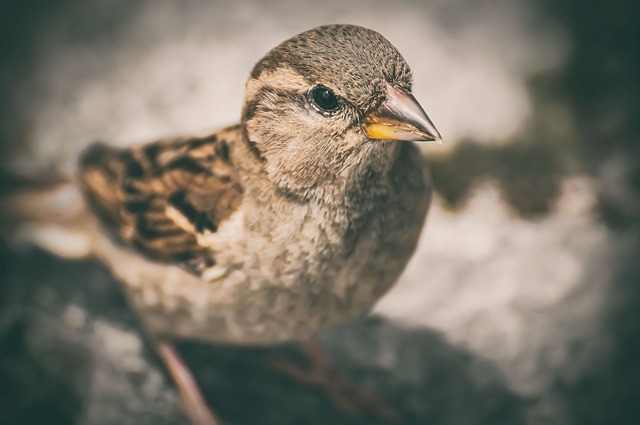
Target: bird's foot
{"type": "Point", "coordinates": [322, 374]}
{"type": "Point", "coordinates": [194, 405]}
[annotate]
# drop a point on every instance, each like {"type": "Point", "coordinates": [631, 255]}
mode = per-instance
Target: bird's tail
{"type": "Point", "coordinates": [46, 210]}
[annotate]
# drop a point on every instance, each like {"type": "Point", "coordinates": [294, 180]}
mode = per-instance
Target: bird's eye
{"type": "Point", "coordinates": [324, 98]}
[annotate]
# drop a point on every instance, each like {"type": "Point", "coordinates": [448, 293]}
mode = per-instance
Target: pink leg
{"type": "Point", "coordinates": [193, 403]}
{"type": "Point", "coordinates": [323, 374]}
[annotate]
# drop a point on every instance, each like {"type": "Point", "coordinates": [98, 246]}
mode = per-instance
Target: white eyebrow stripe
{"type": "Point", "coordinates": [283, 78]}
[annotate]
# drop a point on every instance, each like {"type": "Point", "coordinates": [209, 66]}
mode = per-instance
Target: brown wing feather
{"type": "Point", "coordinates": [158, 197]}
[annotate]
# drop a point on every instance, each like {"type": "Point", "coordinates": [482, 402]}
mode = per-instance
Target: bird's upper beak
{"type": "Point", "coordinates": [400, 117]}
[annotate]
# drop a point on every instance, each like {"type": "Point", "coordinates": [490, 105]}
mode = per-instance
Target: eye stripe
{"type": "Point", "coordinates": [266, 94]}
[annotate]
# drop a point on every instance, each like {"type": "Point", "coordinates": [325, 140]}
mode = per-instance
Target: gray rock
{"type": "Point", "coordinates": [73, 352]}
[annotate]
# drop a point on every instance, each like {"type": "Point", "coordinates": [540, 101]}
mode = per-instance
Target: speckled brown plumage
{"type": "Point", "coordinates": [157, 197]}
{"type": "Point", "coordinates": [296, 219]}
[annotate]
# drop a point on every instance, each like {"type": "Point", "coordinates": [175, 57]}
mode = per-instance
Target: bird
{"type": "Point", "coordinates": [296, 219]}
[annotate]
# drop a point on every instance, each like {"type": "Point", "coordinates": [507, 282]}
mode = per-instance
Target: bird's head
{"type": "Point", "coordinates": [329, 106]}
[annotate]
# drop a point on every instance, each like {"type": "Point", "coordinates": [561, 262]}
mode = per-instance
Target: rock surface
{"type": "Point", "coordinates": [73, 352]}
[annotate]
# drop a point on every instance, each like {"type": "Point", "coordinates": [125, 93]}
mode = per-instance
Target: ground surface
{"type": "Point", "coordinates": [72, 352]}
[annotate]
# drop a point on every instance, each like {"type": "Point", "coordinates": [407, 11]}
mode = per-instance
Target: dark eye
{"type": "Point", "coordinates": [324, 98]}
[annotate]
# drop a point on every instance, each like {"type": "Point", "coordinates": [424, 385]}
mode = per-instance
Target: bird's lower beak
{"type": "Point", "coordinates": [400, 117]}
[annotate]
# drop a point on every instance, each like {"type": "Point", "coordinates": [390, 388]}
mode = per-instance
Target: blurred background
{"type": "Point", "coordinates": [522, 303]}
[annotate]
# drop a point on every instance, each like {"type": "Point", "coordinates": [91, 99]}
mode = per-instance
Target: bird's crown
{"type": "Point", "coordinates": [354, 61]}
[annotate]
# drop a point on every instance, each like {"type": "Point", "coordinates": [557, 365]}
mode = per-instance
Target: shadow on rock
{"type": "Point", "coordinates": [73, 352]}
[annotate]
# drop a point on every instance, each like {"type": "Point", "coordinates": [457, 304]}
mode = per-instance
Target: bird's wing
{"type": "Point", "coordinates": [157, 198]}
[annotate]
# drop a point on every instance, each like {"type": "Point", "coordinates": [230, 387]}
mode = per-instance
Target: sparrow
{"type": "Point", "coordinates": [296, 219]}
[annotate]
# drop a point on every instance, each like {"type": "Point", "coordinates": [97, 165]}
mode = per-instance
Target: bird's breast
{"type": "Point", "coordinates": [284, 272]}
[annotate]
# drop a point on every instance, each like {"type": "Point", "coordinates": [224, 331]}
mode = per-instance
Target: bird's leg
{"type": "Point", "coordinates": [193, 403]}
{"type": "Point", "coordinates": [321, 373]}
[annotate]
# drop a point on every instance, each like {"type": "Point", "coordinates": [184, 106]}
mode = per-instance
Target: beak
{"type": "Point", "coordinates": [400, 117]}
